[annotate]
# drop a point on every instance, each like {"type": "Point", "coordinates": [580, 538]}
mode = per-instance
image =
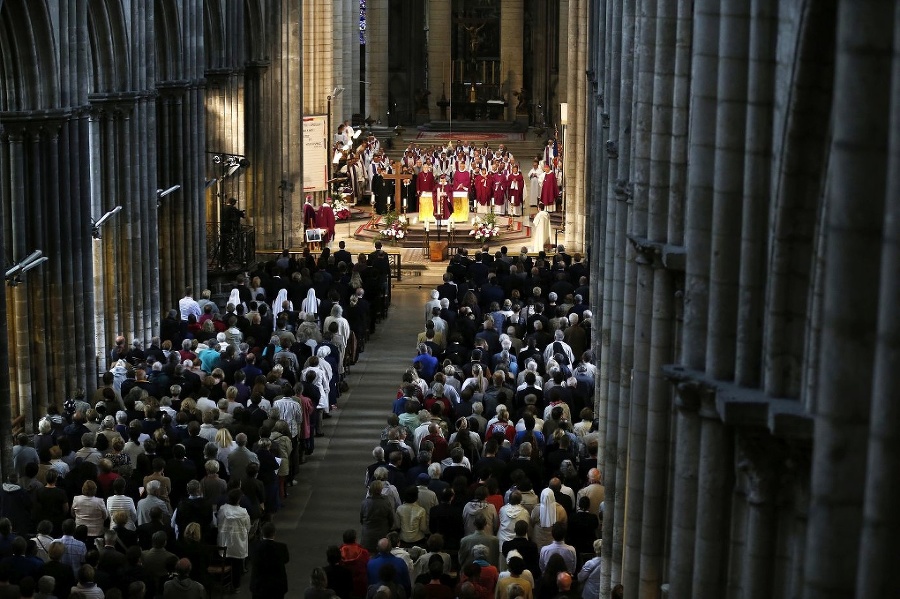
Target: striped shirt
{"type": "Point", "coordinates": [290, 410]}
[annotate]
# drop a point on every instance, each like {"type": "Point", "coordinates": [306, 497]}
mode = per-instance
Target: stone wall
{"type": "Point", "coordinates": [742, 216]}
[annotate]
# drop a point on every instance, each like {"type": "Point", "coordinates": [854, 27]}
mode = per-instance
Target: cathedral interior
{"type": "Point", "coordinates": [728, 172]}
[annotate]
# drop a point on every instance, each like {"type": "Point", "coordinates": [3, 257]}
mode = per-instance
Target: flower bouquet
{"type": "Point", "coordinates": [483, 228]}
{"type": "Point", "coordinates": [341, 208]}
{"type": "Point", "coordinates": [395, 226]}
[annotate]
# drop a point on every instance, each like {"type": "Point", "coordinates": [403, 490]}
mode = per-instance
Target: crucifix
{"type": "Point", "coordinates": [398, 179]}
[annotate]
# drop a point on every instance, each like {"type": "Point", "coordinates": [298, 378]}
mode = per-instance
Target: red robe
{"type": "Point", "coordinates": [549, 189]}
{"type": "Point", "coordinates": [483, 189]}
{"type": "Point", "coordinates": [462, 180]}
{"type": "Point", "coordinates": [498, 189]}
{"type": "Point", "coordinates": [309, 216]}
{"type": "Point", "coordinates": [325, 219]}
{"type": "Point", "coordinates": [515, 185]}
{"type": "Point", "coordinates": [425, 182]}
{"type": "Point", "coordinates": [441, 201]}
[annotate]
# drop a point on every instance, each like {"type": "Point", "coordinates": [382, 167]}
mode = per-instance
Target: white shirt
{"type": "Point", "coordinates": [187, 306]}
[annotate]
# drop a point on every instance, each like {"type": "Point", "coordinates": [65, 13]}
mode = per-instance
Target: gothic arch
{"type": "Point", "coordinates": [110, 52]}
{"type": "Point", "coordinates": [169, 50]}
{"type": "Point", "coordinates": [213, 34]}
{"type": "Point", "coordinates": [29, 70]}
{"type": "Point", "coordinates": [800, 188]}
{"type": "Point", "coordinates": [256, 32]}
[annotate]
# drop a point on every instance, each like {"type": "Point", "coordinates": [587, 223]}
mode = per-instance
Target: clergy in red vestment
{"type": "Point", "coordinates": [498, 192]}
{"type": "Point", "coordinates": [425, 179]}
{"type": "Point", "coordinates": [515, 187]}
{"type": "Point", "coordinates": [309, 214]}
{"type": "Point", "coordinates": [462, 179]}
{"type": "Point", "coordinates": [325, 218]}
{"type": "Point", "coordinates": [549, 189]}
{"type": "Point", "coordinates": [441, 199]}
{"type": "Point", "coordinates": [483, 191]}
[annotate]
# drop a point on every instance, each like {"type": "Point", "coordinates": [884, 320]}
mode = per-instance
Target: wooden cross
{"type": "Point", "coordinates": [398, 179]}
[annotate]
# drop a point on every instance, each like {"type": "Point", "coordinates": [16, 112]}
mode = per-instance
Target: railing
{"type": "Point", "coordinates": [229, 250]}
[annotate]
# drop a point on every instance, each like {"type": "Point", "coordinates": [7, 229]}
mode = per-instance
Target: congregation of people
{"type": "Point", "coordinates": [164, 482]}
{"type": "Point", "coordinates": [485, 481]}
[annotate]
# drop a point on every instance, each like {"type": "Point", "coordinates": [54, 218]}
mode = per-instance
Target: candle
{"type": "Point", "coordinates": [404, 203]}
{"type": "Point", "coordinates": [483, 71]}
{"type": "Point", "coordinates": [426, 226]}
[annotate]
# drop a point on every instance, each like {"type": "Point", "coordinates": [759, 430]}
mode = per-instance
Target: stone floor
{"type": "Point", "coordinates": [326, 501]}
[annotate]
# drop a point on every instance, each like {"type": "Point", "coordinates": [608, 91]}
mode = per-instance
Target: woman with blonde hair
{"type": "Point", "coordinates": [226, 445]}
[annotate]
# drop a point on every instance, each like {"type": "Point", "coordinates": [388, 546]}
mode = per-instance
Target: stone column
{"type": "Point", "coordinates": [377, 44]}
{"type": "Point", "coordinates": [757, 182]}
{"type": "Point", "coordinates": [684, 494]}
{"type": "Point", "coordinates": [562, 88]}
{"type": "Point", "coordinates": [440, 65]}
{"type": "Point", "coordinates": [728, 183]}
{"type": "Point", "coordinates": [349, 47]}
{"type": "Point", "coordinates": [881, 523]}
{"type": "Point", "coordinates": [851, 331]}
{"type": "Point", "coordinates": [702, 154]}
{"type": "Point", "coordinates": [337, 65]}
{"type": "Point", "coordinates": [758, 459]}
{"type": "Point", "coordinates": [712, 497]}
{"type": "Point", "coordinates": [512, 18]}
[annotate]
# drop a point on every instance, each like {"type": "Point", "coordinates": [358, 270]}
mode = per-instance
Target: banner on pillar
{"type": "Point", "coordinates": [315, 153]}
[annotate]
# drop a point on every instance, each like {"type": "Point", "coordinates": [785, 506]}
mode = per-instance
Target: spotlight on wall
{"type": "Point", "coordinates": [95, 225]}
{"type": "Point", "coordinates": [161, 193]}
{"type": "Point", "coordinates": [14, 273]}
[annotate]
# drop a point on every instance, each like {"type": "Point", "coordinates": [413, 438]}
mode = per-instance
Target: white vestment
{"type": "Point", "coordinates": [540, 231]}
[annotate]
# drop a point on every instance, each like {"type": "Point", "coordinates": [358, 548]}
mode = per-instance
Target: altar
{"type": "Point", "coordinates": [460, 212]}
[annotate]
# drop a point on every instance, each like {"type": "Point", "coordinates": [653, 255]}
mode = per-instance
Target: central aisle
{"type": "Point", "coordinates": [327, 499]}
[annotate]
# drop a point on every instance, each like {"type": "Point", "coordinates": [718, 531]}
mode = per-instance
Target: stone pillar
{"type": "Point", "coordinates": [728, 182]}
{"type": "Point", "coordinates": [377, 44]}
{"type": "Point", "coordinates": [349, 47]}
{"type": "Point", "coordinates": [562, 88]}
{"type": "Point", "coordinates": [712, 497]}
{"type": "Point", "coordinates": [337, 65]}
{"type": "Point", "coordinates": [702, 155]}
{"type": "Point", "coordinates": [684, 493]}
{"type": "Point", "coordinates": [512, 19]}
{"type": "Point", "coordinates": [851, 329]}
{"type": "Point", "coordinates": [758, 459]}
{"type": "Point", "coordinates": [440, 65]}
{"type": "Point", "coordinates": [881, 524]}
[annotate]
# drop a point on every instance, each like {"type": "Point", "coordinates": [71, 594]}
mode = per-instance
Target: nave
{"type": "Point", "coordinates": [327, 499]}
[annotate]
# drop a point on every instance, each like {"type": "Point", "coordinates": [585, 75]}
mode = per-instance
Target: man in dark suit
{"type": "Point", "coordinates": [268, 575]}
{"type": "Point", "coordinates": [342, 255]}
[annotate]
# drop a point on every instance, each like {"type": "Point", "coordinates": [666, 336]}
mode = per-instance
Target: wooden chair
{"type": "Point", "coordinates": [218, 573]}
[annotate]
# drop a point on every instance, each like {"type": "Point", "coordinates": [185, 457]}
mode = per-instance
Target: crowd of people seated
{"type": "Point", "coordinates": [485, 482]}
{"type": "Point", "coordinates": [159, 483]}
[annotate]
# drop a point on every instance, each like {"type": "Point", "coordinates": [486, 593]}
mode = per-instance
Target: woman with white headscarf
{"type": "Point", "coordinates": [310, 305]}
{"type": "Point", "coordinates": [235, 299]}
{"type": "Point", "coordinates": [544, 516]}
{"type": "Point", "coordinates": [278, 306]}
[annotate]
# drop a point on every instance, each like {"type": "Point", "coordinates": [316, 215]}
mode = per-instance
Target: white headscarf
{"type": "Point", "coordinates": [277, 306]}
{"type": "Point", "coordinates": [548, 508]}
{"type": "Point", "coordinates": [235, 298]}
{"type": "Point", "coordinates": [311, 303]}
